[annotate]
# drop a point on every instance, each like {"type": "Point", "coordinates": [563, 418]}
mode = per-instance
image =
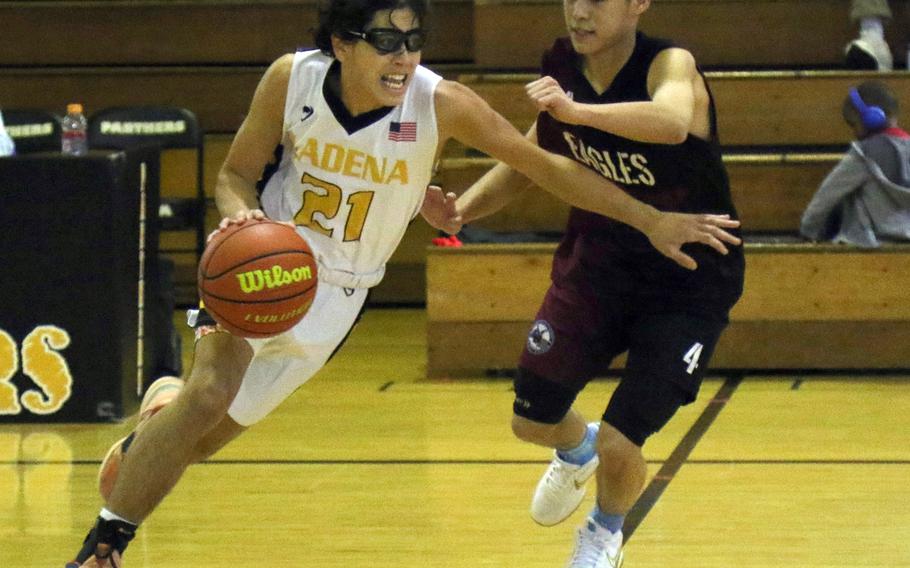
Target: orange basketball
{"type": "Point", "coordinates": [257, 279]}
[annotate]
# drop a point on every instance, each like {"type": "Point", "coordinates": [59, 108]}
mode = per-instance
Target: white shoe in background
{"type": "Point", "coordinates": [869, 51]}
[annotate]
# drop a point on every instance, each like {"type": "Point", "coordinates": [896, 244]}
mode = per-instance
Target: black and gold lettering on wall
{"type": "Point", "coordinates": [41, 362]}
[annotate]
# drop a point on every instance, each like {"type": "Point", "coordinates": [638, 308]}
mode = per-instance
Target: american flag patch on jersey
{"type": "Point", "coordinates": [403, 131]}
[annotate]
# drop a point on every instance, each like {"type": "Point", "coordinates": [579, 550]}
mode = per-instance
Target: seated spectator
{"type": "Point", "coordinates": [870, 50]}
{"type": "Point", "coordinates": [865, 200]}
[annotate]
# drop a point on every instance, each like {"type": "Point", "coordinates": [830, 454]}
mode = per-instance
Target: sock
{"type": "Point", "coordinates": [612, 523]}
{"type": "Point", "coordinates": [872, 26]}
{"type": "Point", "coordinates": [109, 516]}
{"type": "Point", "coordinates": [583, 452]}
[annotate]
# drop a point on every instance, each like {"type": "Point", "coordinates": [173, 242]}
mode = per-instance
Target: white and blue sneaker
{"type": "Point", "coordinates": [596, 547]}
{"type": "Point", "coordinates": [561, 490]}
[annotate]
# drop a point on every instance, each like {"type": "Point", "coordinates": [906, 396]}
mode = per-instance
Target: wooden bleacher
{"type": "Point", "coordinates": [805, 306]}
{"type": "Point", "coordinates": [762, 108]}
{"type": "Point", "coordinates": [737, 34]}
{"type": "Point", "coordinates": [770, 191]}
{"type": "Point", "coordinates": [755, 177]}
{"type": "Point", "coordinates": [208, 55]}
{"type": "Point", "coordinates": [491, 34]}
{"type": "Point", "coordinates": [755, 109]}
{"type": "Point", "coordinates": [199, 32]}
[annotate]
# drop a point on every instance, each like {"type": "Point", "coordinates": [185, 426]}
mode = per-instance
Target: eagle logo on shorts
{"type": "Point", "coordinates": [541, 337]}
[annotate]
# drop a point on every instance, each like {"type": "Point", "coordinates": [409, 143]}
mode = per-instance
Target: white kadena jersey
{"type": "Point", "coordinates": [352, 194]}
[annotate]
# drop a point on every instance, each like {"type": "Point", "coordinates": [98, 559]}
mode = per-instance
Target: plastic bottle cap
{"type": "Point", "coordinates": [74, 108]}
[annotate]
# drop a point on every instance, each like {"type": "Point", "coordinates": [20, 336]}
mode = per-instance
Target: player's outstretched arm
{"type": "Point", "coordinates": [463, 115]}
{"type": "Point", "coordinates": [501, 185]}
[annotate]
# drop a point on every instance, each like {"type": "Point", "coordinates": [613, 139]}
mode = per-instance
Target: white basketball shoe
{"type": "Point", "coordinates": [561, 490]}
{"type": "Point", "coordinates": [596, 547]}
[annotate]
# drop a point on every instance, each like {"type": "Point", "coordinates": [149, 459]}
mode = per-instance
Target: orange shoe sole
{"type": "Point", "coordinates": [160, 393]}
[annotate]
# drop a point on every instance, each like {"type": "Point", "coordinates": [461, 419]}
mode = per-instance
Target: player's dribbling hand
{"type": "Point", "coordinates": [439, 210]}
{"type": "Point", "coordinates": [548, 96]}
{"type": "Point", "coordinates": [240, 218]}
{"type": "Point", "coordinates": [673, 230]}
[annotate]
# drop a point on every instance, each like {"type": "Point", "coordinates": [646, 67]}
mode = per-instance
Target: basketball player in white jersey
{"type": "Point", "coordinates": [360, 125]}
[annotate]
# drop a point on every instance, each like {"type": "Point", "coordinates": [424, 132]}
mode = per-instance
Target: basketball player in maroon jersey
{"type": "Point", "coordinates": [638, 111]}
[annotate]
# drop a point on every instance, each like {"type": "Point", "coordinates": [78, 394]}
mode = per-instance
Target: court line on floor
{"type": "Point", "coordinates": [678, 457]}
{"type": "Point", "coordinates": [473, 462]}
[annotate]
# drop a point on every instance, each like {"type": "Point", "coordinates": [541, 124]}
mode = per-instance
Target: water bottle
{"type": "Point", "coordinates": [7, 147]}
{"type": "Point", "coordinates": [75, 131]}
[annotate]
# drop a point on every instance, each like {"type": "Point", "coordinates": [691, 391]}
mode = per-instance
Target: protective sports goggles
{"type": "Point", "coordinates": [390, 40]}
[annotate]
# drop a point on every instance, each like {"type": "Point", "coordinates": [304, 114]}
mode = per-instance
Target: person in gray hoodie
{"type": "Point", "coordinates": [865, 199]}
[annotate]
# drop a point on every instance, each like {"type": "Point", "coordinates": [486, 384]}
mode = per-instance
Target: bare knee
{"type": "Point", "coordinates": [208, 401]}
{"type": "Point", "coordinates": [616, 451]}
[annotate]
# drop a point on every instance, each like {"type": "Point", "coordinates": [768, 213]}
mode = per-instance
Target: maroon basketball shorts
{"type": "Point", "coordinates": [576, 336]}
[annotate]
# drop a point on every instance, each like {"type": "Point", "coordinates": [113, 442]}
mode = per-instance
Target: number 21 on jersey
{"type": "Point", "coordinates": [325, 198]}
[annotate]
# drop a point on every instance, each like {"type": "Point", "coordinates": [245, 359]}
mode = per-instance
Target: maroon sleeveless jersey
{"type": "Point", "coordinates": [601, 256]}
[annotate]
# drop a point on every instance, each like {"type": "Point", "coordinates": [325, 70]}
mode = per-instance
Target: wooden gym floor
{"type": "Point", "coordinates": [370, 465]}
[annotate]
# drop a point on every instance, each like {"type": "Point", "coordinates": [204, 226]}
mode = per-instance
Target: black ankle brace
{"type": "Point", "coordinates": [106, 537]}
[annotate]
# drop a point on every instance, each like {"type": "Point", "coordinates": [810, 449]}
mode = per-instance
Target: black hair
{"type": "Point", "coordinates": [341, 17]}
{"type": "Point", "coordinates": [873, 93]}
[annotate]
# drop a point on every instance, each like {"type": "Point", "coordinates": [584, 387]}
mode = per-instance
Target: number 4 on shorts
{"type": "Point", "coordinates": [691, 357]}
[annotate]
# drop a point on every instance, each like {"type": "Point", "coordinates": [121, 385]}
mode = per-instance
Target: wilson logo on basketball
{"type": "Point", "coordinates": [256, 280]}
